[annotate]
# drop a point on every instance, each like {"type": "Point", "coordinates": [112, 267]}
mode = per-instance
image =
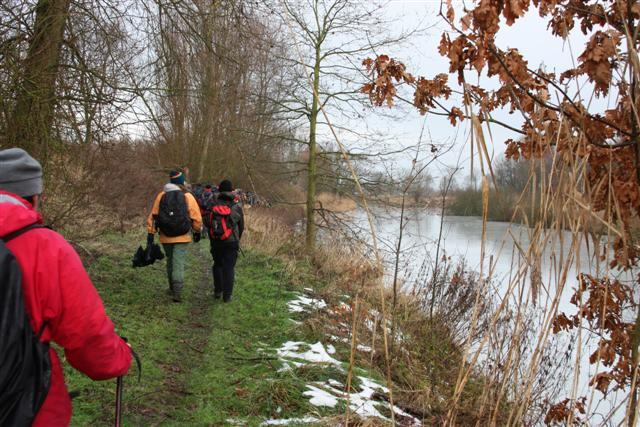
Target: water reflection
{"type": "Point", "coordinates": [508, 252]}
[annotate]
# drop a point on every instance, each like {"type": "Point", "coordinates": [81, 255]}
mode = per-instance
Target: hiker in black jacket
{"type": "Point", "coordinates": [225, 221]}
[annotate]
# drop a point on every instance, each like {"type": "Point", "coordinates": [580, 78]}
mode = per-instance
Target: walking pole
{"type": "Point", "coordinates": [118, 401]}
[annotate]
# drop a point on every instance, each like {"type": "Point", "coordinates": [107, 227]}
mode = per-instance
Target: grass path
{"type": "Point", "coordinates": [202, 360]}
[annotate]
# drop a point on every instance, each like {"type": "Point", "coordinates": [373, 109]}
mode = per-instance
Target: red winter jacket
{"type": "Point", "coordinates": [58, 291]}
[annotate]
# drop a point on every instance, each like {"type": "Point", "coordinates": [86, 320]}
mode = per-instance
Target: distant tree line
{"type": "Point", "coordinates": [103, 92]}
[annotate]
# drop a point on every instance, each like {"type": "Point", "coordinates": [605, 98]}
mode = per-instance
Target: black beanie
{"type": "Point", "coordinates": [225, 186]}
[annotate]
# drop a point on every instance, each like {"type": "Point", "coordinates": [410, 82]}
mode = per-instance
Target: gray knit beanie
{"type": "Point", "coordinates": [20, 173]}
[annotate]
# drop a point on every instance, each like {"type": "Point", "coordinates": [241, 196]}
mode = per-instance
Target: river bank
{"type": "Point", "coordinates": [250, 362]}
{"type": "Point", "coordinates": [529, 275]}
{"type": "Point", "coordinates": [284, 351]}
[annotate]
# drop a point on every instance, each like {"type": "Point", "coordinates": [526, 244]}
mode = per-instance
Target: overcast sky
{"type": "Point", "coordinates": [529, 35]}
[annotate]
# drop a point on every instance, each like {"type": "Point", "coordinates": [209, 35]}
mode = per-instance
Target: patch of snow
{"type": "Point", "coordinates": [331, 392]}
{"type": "Point", "coordinates": [291, 345]}
{"type": "Point", "coordinates": [302, 303]}
{"type": "Point", "coordinates": [362, 403]}
{"type": "Point", "coordinates": [369, 383]}
{"type": "Point", "coordinates": [335, 383]}
{"type": "Point", "coordinates": [406, 415]}
{"type": "Point", "coordinates": [320, 397]}
{"type": "Point", "coordinates": [345, 306]}
{"type": "Point", "coordinates": [339, 339]}
{"type": "Point", "coordinates": [309, 290]}
{"type": "Point", "coordinates": [284, 422]}
{"type": "Point", "coordinates": [364, 348]}
{"type": "Point", "coordinates": [292, 354]}
{"type": "Point", "coordinates": [364, 406]}
{"type": "Point", "coordinates": [369, 324]}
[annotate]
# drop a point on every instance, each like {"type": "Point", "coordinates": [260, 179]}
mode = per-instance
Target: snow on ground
{"type": "Point", "coordinates": [329, 393]}
{"type": "Point", "coordinates": [296, 353]}
{"type": "Point", "coordinates": [303, 303]}
{"type": "Point", "coordinates": [335, 383]}
{"type": "Point", "coordinates": [320, 397]}
{"type": "Point", "coordinates": [362, 403]}
{"type": "Point", "coordinates": [284, 422]}
{"type": "Point", "coordinates": [339, 339]}
{"type": "Point", "coordinates": [364, 348]}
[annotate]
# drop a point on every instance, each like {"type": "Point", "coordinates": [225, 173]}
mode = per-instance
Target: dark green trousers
{"type": "Point", "coordinates": [176, 258]}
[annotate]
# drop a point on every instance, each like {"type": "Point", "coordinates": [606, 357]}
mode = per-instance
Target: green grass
{"type": "Point", "coordinates": [238, 377]}
{"type": "Point", "coordinates": [204, 362]}
{"type": "Point", "coordinates": [137, 302]}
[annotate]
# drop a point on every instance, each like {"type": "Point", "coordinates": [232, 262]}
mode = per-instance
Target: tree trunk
{"type": "Point", "coordinates": [30, 127]}
{"type": "Point", "coordinates": [311, 163]}
{"type": "Point", "coordinates": [635, 342]}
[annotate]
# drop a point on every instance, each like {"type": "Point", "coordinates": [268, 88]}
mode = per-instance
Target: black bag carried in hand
{"type": "Point", "coordinates": [173, 216]}
{"type": "Point", "coordinates": [147, 256]}
{"type": "Point", "coordinates": [25, 366]}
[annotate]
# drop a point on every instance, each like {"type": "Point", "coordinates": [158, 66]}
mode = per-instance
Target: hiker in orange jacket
{"type": "Point", "coordinates": [175, 214]}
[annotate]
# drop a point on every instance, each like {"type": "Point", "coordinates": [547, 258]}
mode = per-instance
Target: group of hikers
{"type": "Point", "coordinates": [181, 216]}
{"type": "Point", "coordinates": [249, 198]}
{"type": "Point", "coordinates": [47, 296]}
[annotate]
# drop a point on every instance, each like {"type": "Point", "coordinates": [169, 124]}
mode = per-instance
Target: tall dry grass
{"type": "Point", "coordinates": [527, 359]}
{"type": "Point", "coordinates": [336, 203]}
{"type": "Point", "coordinates": [424, 350]}
{"type": "Point", "coordinates": [90, 190]}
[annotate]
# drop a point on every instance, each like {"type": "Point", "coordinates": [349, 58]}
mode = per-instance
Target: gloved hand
{"type": "Point", "coordinates": [196, 237]}
{"type": "Point", "coordinates": [150, 239]}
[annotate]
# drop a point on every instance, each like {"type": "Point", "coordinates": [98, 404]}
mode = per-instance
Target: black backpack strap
{"type": "Point", "coordinates": [21, 231]}
{"type": "Point", "coordinates": [8, 237]}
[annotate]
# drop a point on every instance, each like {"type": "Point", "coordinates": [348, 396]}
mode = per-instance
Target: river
{"type": "Point", "coordinates": [506, 247]}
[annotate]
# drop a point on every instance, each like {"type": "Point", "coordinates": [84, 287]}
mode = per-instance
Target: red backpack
{"type": "Point", "coordinates": [218, 220]}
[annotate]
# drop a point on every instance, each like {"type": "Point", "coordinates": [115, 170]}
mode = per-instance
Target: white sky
{"type": "Point", "coordinates": [421, 57]}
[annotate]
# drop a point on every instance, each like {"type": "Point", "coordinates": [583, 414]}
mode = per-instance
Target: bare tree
{"type": "Point", "coordinates": [216, 89]}
{"type": "Point", "coordinates": [331, 37]}
{"type": "Point", "coordinates": [32, 116]}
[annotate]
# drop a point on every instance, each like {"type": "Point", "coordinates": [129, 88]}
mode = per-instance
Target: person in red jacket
{"type": "Point", "coordinates": [57, 290]}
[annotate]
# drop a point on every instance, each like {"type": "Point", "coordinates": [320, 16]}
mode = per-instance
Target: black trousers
{"type": "Point", "coordinates": [224, 263]}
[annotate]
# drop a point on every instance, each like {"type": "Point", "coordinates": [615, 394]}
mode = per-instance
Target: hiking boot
{"type": "Point", "coordinates": [177, 297]}
{"type": "Point", "coordinates": [177, 292]}
{"type": "Point", "coordinates": [217, 295]}
{"type": "Point", "coordinates": [226, 298]}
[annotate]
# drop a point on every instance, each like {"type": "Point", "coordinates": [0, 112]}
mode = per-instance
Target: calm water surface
{"type": "Point", "coordinates": [462, 239]}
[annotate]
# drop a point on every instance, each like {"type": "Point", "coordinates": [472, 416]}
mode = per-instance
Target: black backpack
{"type": "Point", "coordinates": [25, 366]}
{"type": "Point", "coordinates": [173, 217]}
{"type": "Point", "coordinates": [207, 199]}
